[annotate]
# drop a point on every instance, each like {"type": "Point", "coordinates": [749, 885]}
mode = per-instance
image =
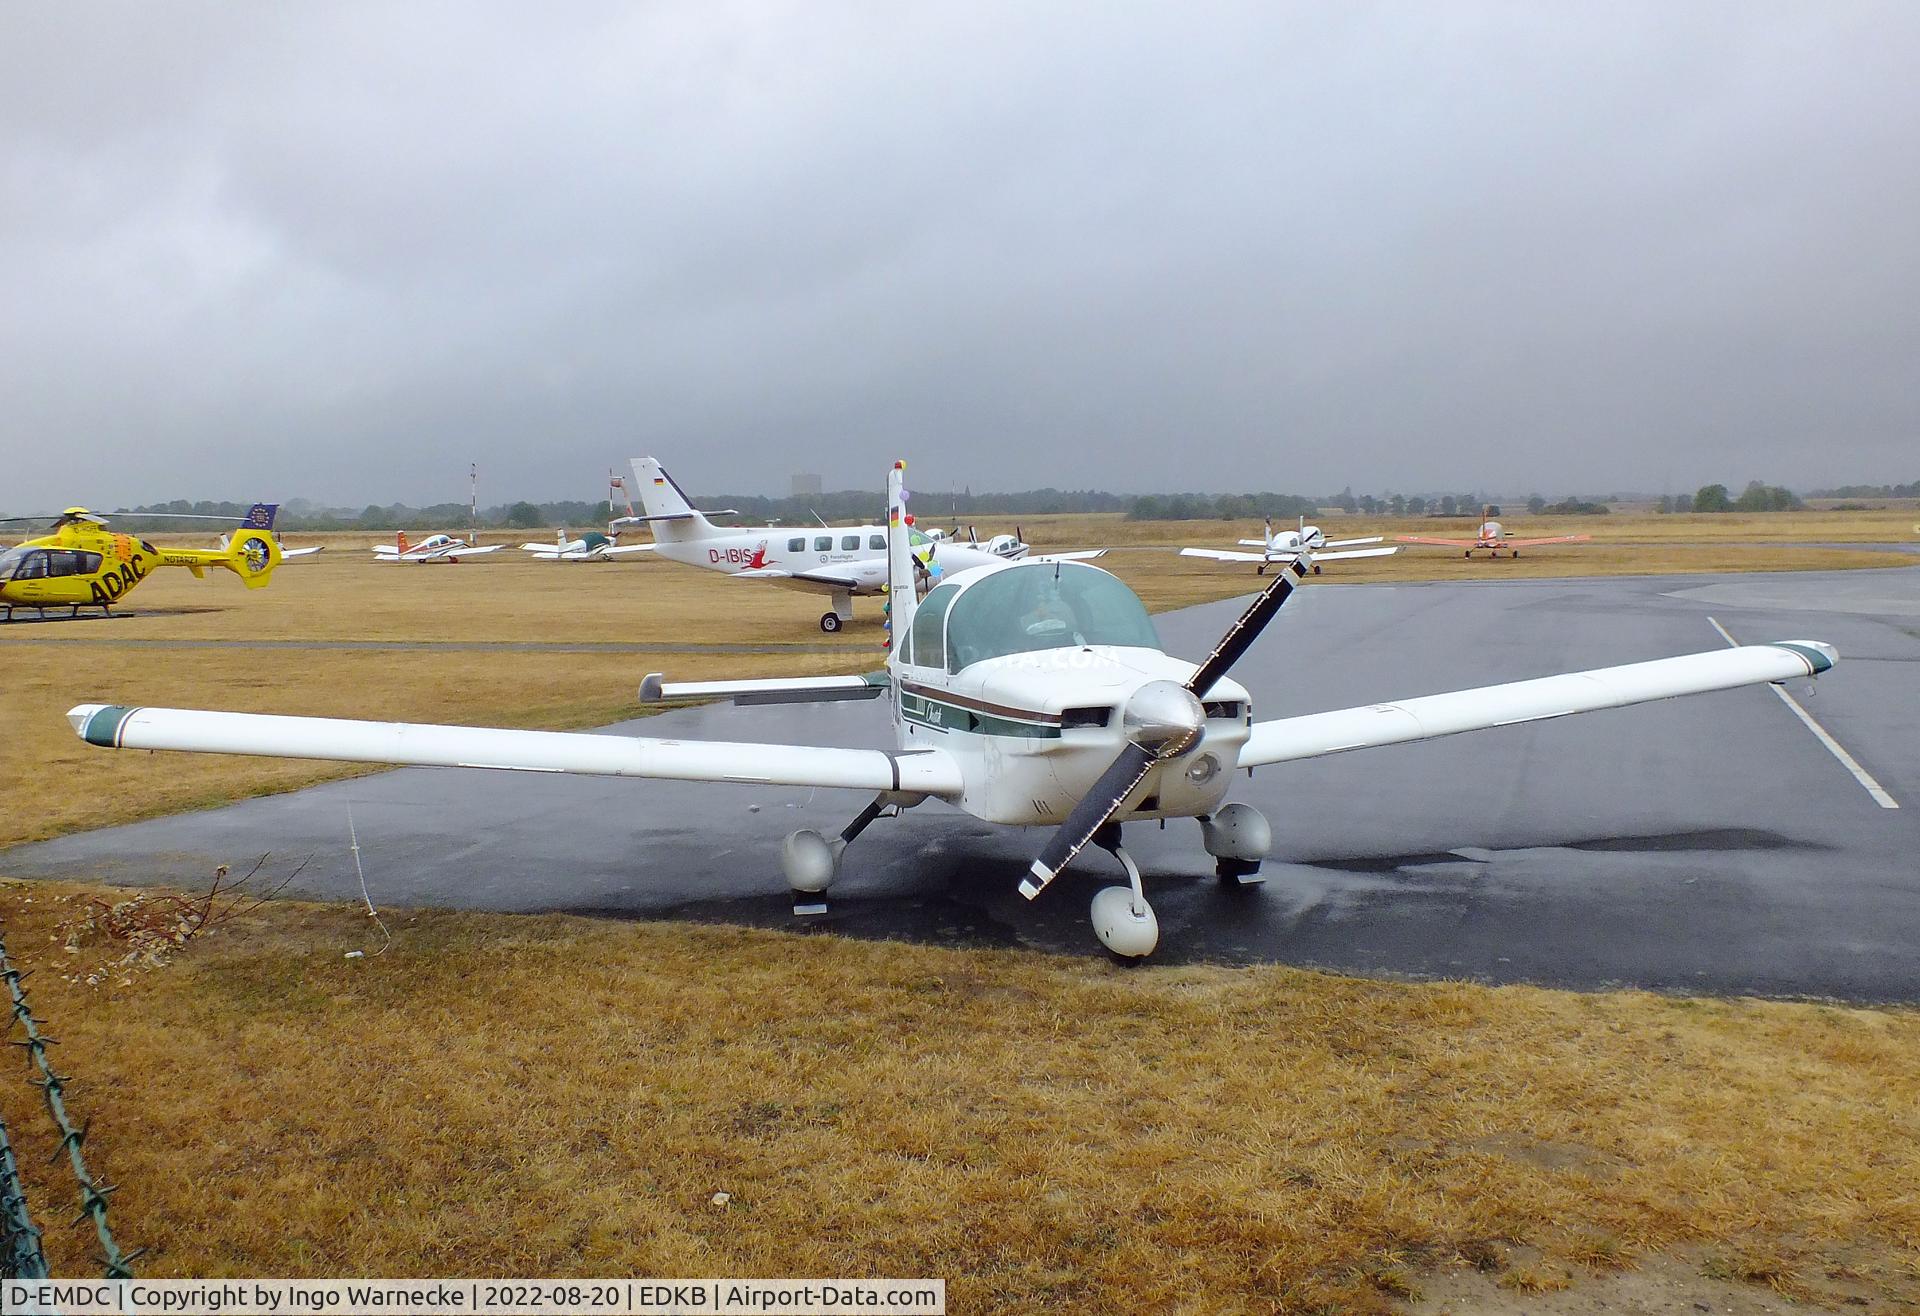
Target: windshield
{"type": "Point", "coordinates": [11, 559]}
{"type": "Point", "coordinates": [1044, 606]}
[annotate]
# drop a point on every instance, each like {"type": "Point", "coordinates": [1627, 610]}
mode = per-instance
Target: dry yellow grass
{"type": "Point", "coordinates": [526, 1096]}
{"type": "Point", "coordinates": [500, 1095]}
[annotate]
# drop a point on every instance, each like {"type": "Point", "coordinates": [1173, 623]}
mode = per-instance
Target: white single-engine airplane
{"type": "Point", "coordinates": [843, 561]}
{"type": "Point", "coordinates": [1026, 693]}
{"type": "Point", "coordinates": [1012, 547]}
{"type": "Point", "coordinates": [1493, 537]}
{"type": "Point", "coordinates": [434, 548]}
{"type": "Point", "coordinates": [1289, 546]}
{"type": "Point", "coordinates": [590, 547]}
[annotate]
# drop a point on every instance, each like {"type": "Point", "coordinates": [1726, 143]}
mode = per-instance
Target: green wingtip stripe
{"type": "Point", "coordinates": [1815, 659]}
{"type": "Point", "coordinates": [103, 728]}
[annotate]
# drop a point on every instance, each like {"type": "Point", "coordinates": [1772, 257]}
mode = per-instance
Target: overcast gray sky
{"type": "Point", "coordinates": [338, 251]}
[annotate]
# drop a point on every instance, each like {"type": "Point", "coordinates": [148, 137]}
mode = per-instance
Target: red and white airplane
{"type": "Point", "coordinates": [434, 548]}
{"type": "Point", "coordinates": [1493, 537]}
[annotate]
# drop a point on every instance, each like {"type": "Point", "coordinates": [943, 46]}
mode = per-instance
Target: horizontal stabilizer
{"type": "Point", "coordinates": [776, 690]}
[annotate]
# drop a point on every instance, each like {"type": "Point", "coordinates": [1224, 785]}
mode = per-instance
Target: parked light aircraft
{"type": "Point", "coordinates": [434, 548]}
{"type": "Point", "coordinates": [81, 564]}
{"type": "Point", "coordinates": [843, 561]}
{"type": "Point", "coordinates": [1290, 545]}
{"type": "Point", "coordinates": [594, 546]}
{"type": "Point", "coordinates": [1027, 693]}
{"type": "Point", "coordinates": [1493, 537]}
{"type": "Point", "coordinates": [1013, 547]}
{"type": "Point", "coordinates": [590, 547]}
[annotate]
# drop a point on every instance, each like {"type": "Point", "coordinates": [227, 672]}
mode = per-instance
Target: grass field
{"type": "Point", "coordinates": [550, 1095]}
{"type": "Point", "coordinates": [533, 1095]}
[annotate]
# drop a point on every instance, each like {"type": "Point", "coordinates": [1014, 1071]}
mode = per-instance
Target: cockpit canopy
{"type": "Point", "coordinates": [1026, 608]}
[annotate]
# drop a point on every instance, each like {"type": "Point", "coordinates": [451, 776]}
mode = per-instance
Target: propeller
{"type": "Point", "coordinates": [1162, 720]}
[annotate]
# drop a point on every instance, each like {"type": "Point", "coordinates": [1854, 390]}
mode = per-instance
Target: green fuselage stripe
{"type": "Point", "coordinates": [952, 717]}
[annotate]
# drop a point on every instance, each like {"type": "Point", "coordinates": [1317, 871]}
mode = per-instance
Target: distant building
{"type": "Point", "coordinates": [806, 485]}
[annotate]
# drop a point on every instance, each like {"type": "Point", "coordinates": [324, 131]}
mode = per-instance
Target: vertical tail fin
{"type": "Point", "coordinates": [400, 539]}
{"type": "Point", "coordinates": [902, 597]}
{"type": "Point", "coordinates": [260, 516]}
{"type": "Point", "coordinates": [672, 517]}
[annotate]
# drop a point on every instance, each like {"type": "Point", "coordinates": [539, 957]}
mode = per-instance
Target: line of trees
{"type": "Point", "coordinates": [1757, 497]}
{"type": "Point", "coordinates": [937, 508]}
{"type": "Point", "coordinates": [1870, 491]}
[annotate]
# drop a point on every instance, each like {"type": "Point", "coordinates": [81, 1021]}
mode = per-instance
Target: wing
{"type": "Point", "coordinates": [1349, 543]}
{"type": "Point", "coordinates": [918, 772]}
{"type": "Point", "coordinates": [461, 550]}
{"type": "Point", "coordinates": [1080, 555]}
{"type": "Point", "coordinates": [1316, 734]}
{"type": "Point", "coordinates": [628, 550]}
{"type": "Point", "coordinates": [290, 553]}
{"type": "Point", "coordinates": [800, 579]}
{"type": "Point", "coordinates": [1228, 555]}
{"type": "Point", "coordinates": [1354, 552]}
{"type": "Point", "coordinates": [1556, 539]}
{"type": "Point", "coordinates": [1444, 543]}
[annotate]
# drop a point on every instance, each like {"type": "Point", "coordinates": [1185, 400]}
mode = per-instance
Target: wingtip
{"type": "Point", "coordinates": [1820, 655]}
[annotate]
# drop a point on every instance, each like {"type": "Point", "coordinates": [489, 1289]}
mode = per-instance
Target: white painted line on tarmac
{"type": "Point", "coordinates": [1847, 761]}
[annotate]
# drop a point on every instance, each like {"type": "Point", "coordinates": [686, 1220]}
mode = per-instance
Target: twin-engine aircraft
{"type": "Point", "coordinates": [434, 548]}
{"type": "Point", "coordinates": [841, 561]}
{"type": "Point", "coordinates": [1027, 693]}
{"type": "Point", "coordinates": [81, 564]}
{"type": "Point", "coordinates": [1493, 537]}
{"type": "Point", "coordinates": [1289, 546]}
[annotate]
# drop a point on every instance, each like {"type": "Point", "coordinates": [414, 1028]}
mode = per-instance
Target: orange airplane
{"type": "Point", "coordinates": [1493, 537]}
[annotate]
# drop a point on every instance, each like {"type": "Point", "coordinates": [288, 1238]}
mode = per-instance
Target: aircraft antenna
{"type": "Point", "coordinates": [473, 501]}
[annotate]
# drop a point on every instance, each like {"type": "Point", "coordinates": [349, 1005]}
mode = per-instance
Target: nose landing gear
{"type": "Point", "coordinates": [1122, 918]}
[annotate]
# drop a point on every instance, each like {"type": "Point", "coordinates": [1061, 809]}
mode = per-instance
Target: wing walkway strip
{"type": "Point", "coordinates": [1847, 761]}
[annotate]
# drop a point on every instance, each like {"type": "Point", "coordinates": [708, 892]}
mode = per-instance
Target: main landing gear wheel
{"type": "Point", "coordinates": [830, 622]}
{"type": "Point", "coordinates": [1238, 837]}
{"type": "Point", "coordinates": [811, 861]}
{"type": "Point", "coordinates": [1316, 568]}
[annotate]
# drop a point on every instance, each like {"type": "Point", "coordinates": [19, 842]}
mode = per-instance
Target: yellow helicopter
{"type": "Point", "coordinates": [82, 564]}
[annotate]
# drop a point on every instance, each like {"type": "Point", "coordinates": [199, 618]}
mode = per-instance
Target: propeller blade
{"type": "Point", "coordinates": [1120, 779]}
{"type": "Point", "coordinates": [1241, 635]}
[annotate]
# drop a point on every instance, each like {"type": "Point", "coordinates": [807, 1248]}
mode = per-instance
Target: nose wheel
{"type": "Point", "coordinates": [1122, 918]}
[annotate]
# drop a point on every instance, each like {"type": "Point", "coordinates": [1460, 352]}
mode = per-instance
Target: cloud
{"type": "Point", "coordinates": [339, 252]}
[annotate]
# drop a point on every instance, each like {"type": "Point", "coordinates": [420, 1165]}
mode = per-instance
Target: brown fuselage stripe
{"type": "Point", "coordinates": [977, 705]}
